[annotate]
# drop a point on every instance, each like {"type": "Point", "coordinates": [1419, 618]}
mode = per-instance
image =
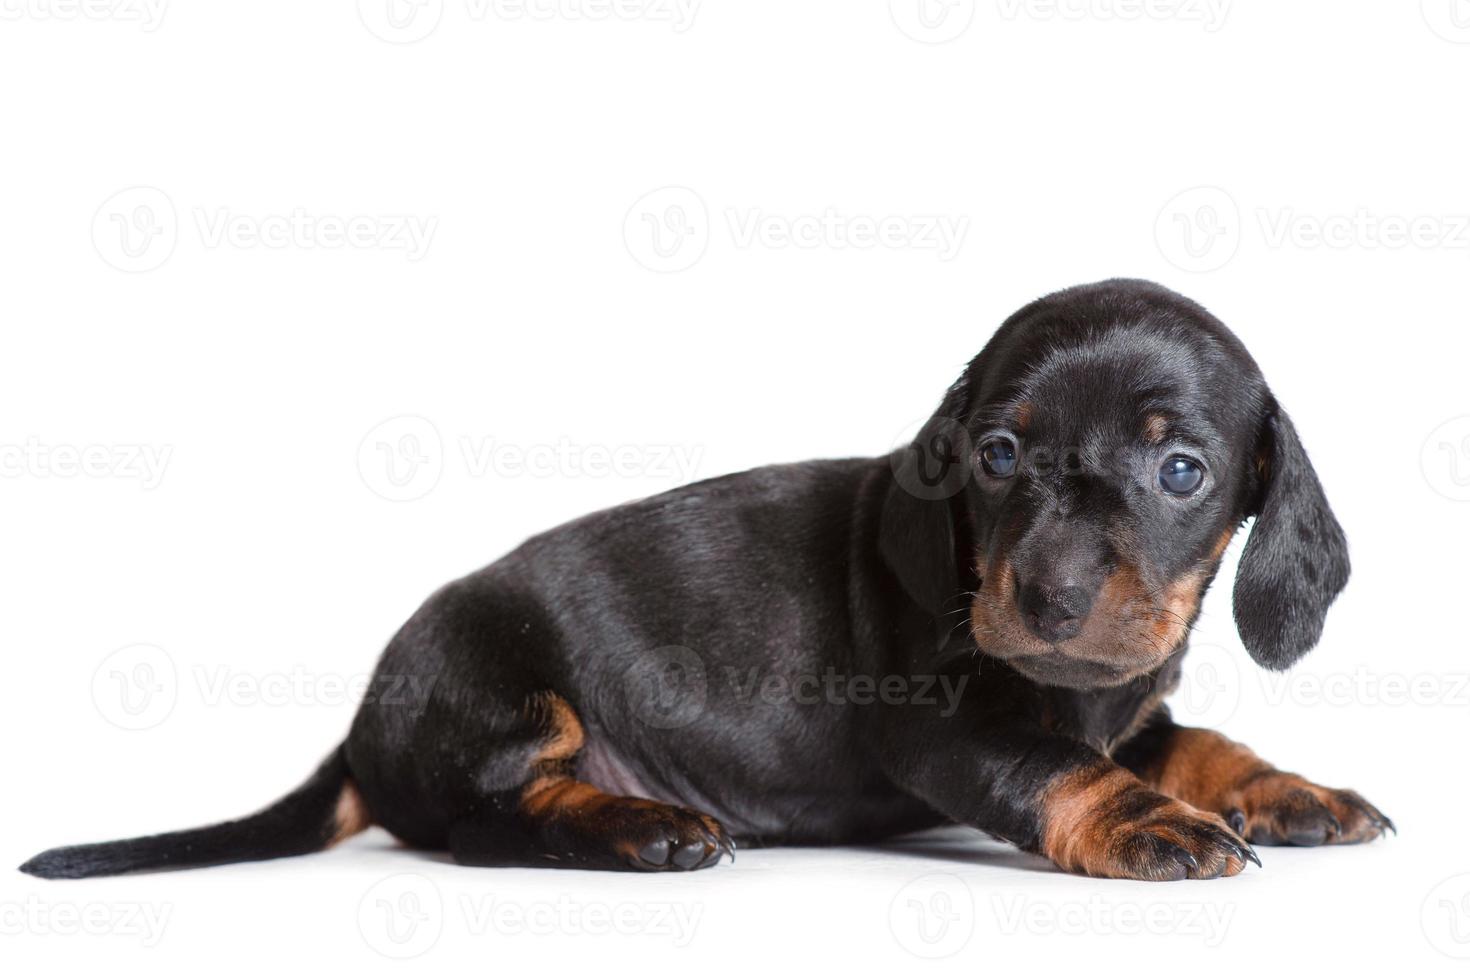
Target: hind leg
{"type": "Point", "coordinates": [570, 824]}
{"type": "Point", "coordinates": [554, 820]}
{"type": "Point", "coordinates": [462, 741]}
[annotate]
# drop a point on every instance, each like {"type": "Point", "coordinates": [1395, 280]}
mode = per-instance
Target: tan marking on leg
{"type": "Point", "coordinates": [351, 816]}
{"type": "Point", "coordinates": [1072, 834]}
{"type": "Point", "coordinates": [566, 734]}
{"type": "Point", "coordinates": [560, 794]}
{"type": "Point", "coordinates": [551, 787]}
{"type": "Point", "coordinates": [1201, 767]}
{"type": "Point", "coordinates": [1210, 771]}
{"type": "Point", "coordinates": [1103, 821]}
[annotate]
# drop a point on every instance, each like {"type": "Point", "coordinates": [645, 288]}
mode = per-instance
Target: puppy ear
{"type": "Point", "coordinates": [916, 537]}
{"type": "Point", "coordinates": [916, 533]}
{"type": "Point", "coordinates": [1296, 561]}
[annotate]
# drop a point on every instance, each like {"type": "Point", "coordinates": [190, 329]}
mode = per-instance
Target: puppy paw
{"type": "Point", "coordinates": [1283, 808]}
{"type": "Point", "coordinates": [1111, 826]}
{"type": "Point", "coordinates": [1174, 842]}
{"type": "Point", "coordinates": [669, 838]}
{"type": "Point", "coordinates": [577, 825]}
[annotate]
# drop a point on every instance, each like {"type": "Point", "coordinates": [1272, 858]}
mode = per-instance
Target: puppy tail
{"type": "Point", "coordinates": [322, 811]}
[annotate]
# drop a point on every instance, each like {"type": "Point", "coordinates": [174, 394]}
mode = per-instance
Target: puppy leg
{"type": "Point", "coordinates": [483, 759]}
{"type": "Point", "coordinates": [1264, 804]}
{"type": "Point", "coordinates": [1055, 796]}
{"type": "Point", "coordinates": [1099, 819]}
{"type": "Point", "coordinates": [555, 820]}
{"type": "Point", "coordinates": [565, 823]}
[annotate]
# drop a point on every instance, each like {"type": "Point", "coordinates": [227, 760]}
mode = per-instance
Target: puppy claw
{"type": "Point", "coordinates": [727, 845]}
{"type": "Point", "coordinates": [1245, 852]}
{"type": "Point", "coordinates": [1378, 818]}
{"type": "Point", "coordinates": [1185, 858]}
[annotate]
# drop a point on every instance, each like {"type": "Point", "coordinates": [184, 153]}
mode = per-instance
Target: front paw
{"type": "Point", "coordinates": [1283, 808]}
{"type": "Point", "coordinates": [1117, 828]}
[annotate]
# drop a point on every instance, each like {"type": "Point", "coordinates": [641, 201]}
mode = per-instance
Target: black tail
{"type": "Point", "coordinates": [324, 810]}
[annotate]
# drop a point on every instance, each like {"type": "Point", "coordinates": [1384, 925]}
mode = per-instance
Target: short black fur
{"type": "Point", "coordinates": [858, 568]}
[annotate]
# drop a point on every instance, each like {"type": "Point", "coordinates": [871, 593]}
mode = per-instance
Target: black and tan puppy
{"type": "Point", "coordinates": [602, 697]}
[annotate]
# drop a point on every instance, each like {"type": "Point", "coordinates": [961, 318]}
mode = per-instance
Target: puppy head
{"type": "Point", "coordinates": [1103, 449]}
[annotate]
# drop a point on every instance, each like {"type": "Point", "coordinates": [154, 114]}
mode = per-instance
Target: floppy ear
{"type": "Point", "coordinates": [916, 533]}
{"type": "Point", "coordinates": [917, 541]}
{"type": "Point", "coordinates": [1296, 561]}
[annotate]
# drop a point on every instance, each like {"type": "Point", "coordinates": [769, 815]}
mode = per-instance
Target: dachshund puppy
{"type": "Point", "coordinates": [978, 628]}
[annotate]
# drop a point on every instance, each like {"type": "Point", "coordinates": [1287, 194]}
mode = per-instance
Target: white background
{"type": "Point", "coordinates": [534, 325]}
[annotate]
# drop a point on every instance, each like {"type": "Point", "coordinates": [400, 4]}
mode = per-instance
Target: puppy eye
{"type": "Point", "coordinates": [998, 458]}
{"type": "Point", "coordinates": [1180, 476]}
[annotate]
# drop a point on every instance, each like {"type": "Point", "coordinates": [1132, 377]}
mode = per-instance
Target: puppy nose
{"type": "Point", "coordinates": [1054, 611]}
